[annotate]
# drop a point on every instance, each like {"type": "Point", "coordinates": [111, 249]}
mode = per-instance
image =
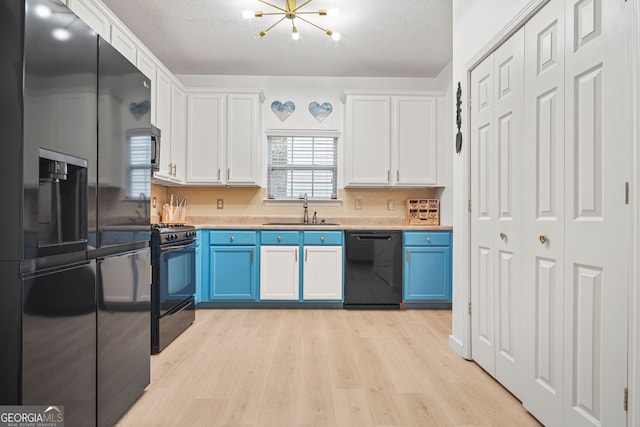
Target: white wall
{"type": "Point", "coordinates": [475, 24]}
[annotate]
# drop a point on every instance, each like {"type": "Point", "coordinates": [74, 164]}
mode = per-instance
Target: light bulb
{"type": "Point", "coordinates": [333, 12]}
{"type": "Point", "coordinates": [336, 36]}
{"type": "Point", "coordinates": [247, 14]}
{"type": "Point", "coordinates": [295, 34]}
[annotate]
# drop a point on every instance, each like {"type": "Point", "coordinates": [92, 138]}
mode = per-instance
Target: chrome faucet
{"type": "Point", "coordinates": [305, 205]}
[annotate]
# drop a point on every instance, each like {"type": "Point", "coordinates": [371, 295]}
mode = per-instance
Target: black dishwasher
{"type": "Point", "coordinates": [373, 269]}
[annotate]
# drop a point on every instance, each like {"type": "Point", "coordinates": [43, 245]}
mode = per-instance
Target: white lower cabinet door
{"type": "Point", "coordinates": [322, 273]}
{"type": "Point", "coordinates": [279, 273]}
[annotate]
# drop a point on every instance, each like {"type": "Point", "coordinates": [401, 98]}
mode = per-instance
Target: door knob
{"type": "Point", "coordinates": [543, 239]}
{"type": "Point", "coordinates": [503, 236]}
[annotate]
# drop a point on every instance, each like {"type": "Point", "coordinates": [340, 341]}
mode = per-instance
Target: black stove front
{"type": "Point", "coordinates": [173, 260]}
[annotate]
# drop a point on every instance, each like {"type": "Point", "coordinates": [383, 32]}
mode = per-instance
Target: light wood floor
{"type": "Point", "coordinates": [320, 368]}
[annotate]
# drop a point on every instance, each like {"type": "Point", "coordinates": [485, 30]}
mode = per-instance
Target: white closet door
{"type": "Point", "coordinates": [597, 164]}
{"type": "Point", "coordinates": [507, 118]}
{"type": "Point", "coordinates": [496, 122]}
{"type": "Point", "coordinates": [483, 196]}
{"type": "Point", "coordinates": [543, 213]}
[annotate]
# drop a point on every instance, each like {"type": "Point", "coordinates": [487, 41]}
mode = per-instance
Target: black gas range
{"type": "Point", "coordinates": [173, 261]}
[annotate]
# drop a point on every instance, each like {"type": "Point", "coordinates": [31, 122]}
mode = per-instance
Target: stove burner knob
{"type": "Point", "coordinates": [174, 237]}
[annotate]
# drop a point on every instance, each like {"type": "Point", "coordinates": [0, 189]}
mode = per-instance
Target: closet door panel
{"type": "Point", "coordinates": [543, 213]}
{"type": "Point", "coordinates": [597, 218]}
{"type": "Point", "coordinates": [507, 117]}
{"type": "Point", "coordinates": [483, 196]}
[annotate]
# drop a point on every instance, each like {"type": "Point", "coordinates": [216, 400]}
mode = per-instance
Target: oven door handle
{"type": "Point", "coordinates": [173, 248]}
{"type": "Point", "coordinates": [180, 307]}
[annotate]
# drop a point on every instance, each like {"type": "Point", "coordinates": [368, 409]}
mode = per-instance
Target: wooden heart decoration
{"type": "Point", "coordinates": [139, 109]}
{"type": "Point", "coordinates": [320, 111]}
{"type": "Point", "coordinates": [283, 111]}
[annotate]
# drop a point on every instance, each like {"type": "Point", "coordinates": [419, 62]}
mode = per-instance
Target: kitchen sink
{"type": "Point", "coordinates": [299, 223]}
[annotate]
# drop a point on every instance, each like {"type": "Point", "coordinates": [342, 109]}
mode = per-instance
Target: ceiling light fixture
{"type": "Point", "coordinates": [291, 11]}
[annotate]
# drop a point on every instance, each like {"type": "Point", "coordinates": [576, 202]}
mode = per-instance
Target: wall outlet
{"type": "Point", "coordinates": [154, 202]}
{"type": "Point", "coordinates": [220, 203]}
{"type": "Point", "coordinates": [358, 204]}
{"type": "Point", "coordinates": [391, 204]}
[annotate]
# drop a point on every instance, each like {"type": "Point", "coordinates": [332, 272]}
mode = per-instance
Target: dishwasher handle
{"type": "Point", "coordinates": [371, 236]}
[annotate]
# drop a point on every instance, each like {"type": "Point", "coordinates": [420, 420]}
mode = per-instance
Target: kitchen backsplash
{"type": "Point", "coordinates": [203, 201]}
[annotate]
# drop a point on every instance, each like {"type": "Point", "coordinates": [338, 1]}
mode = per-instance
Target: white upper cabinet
{"type": "Point", "coordinates": [170, 119]}
{"type": "Point", "coordinates": [148, 66]}
{"type": "Point", "coordinates": [414, 140]}
{"type": "Point", "coordinates": [205, 135]}
{"type": "Point", "coordinates": [163, 122]}
{"type": "Point", "coordinates": [223, 137]}
{"type": "Point", "coordinates": [93, 16]}
{"type": "Point", "coordinates": [178, 133]}
{"type": "Point", "coordinates": [391, 139]}
{"type": "Point", "coordinates": [124, 43]}
{"type": "Point", "coordinates": [368, 140]}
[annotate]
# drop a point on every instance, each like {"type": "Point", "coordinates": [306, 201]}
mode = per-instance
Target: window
{"type": "Point", "coordinates": [302, 162]}
{"type": "Point", "coordinates": [139, 173]}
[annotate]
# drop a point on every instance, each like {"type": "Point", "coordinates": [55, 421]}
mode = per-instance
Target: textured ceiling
{"type": "Point", "coordinates": [407, 38]}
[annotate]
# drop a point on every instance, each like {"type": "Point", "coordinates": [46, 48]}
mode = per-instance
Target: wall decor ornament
{"type": "Point", "coordinates": [320, 111]}
{"type": "Point", "coordinates": [283, 111]}
{"type": "Point", "coordinates": [459, 118]}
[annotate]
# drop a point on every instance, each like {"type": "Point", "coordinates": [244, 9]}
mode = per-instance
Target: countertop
{"type": "Point", "coordinates": [295, 223]}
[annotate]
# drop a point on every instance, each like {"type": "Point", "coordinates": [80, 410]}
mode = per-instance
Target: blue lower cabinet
{"type": "Point", "coordinates": [232, 273]}
{"type": "Point", "coordinates": [229, 266]}
{"type": "Point", "coordinates": [427, 266]}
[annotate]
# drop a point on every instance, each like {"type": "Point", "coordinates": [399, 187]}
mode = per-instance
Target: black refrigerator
{"type": "Point", "coordinates": [75, 219]}
{"type": "Point", "coordinates": [122, 235]}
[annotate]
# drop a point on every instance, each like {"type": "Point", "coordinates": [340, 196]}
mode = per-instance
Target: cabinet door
{"type": "Point", "coordinates": [243, 134]}
{"type": "Point", "coordinates": [92, 16]}
{"type": "Point", "coordinates": [427, 274]}
{"type": "Point", "coordinates": [322, 278]}
{"type": "Point", "coordinates": [145, 63]}
{"type": "Point", "coordinates": [178, 134]}
{"type": "Point", "coordinates": [123, 44]}
{"type": "Point", "coordinates": [205, 138]}
{"type": "Point", "coordinates": [415, 140]}
{"type": "Point", "coordinates": [279, 273]}
{"type": "Point", "coordinates": [368, 141]}
{"type": "Point", "coordinates": [233, 273]}
{"type": "Point", "coordinates": [163, 122]}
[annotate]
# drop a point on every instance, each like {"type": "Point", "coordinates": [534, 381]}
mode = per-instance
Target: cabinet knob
{"type": "Point", "coordinates": [543, 239]}
{"type": "Point", "coordinates": [232, 238]}
{"type": "Point", "coordinates": [503, 236]}
{"type": "Point", "coordinates": [428, 239]}
{"type": "Point", "coordinates": [322, 238]}
{"type": "Point", "coordinates": [279, 238]}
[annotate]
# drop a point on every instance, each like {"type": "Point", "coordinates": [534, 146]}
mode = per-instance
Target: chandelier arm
{"type": "Point", "coordinates": [277, 22]}
{"type": "Point", "coordinates": [272, 13]}
{"type": "Point", "coordinates": [272, 5]}
{"type": "Point", "coordinates": [303, 5]}
{"type": "Point", "coordinates": [308, 13]}
{"type": "Point", "coordinates": [311, 23]}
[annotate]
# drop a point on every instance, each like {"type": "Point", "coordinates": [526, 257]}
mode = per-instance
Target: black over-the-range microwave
{"type": "Point", "coordinates": [155, 148]}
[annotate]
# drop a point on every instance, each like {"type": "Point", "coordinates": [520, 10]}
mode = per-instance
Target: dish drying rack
{"type": "Point", "coordinates": [175, 211]}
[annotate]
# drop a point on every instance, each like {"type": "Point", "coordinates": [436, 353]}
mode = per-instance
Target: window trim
{"type": "Point", "coordinates": [315, 133]}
